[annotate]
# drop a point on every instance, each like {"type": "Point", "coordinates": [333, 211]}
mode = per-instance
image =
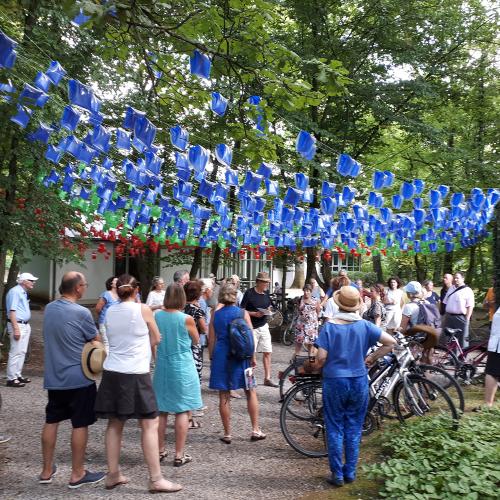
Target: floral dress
{"type": "Point", "coordinates": [307, 323]}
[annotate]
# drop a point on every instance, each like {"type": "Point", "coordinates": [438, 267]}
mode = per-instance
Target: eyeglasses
{"type": "Point", "coordinates": [31, 281]}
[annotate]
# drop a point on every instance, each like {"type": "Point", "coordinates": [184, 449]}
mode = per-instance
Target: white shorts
{"type": "Point", "coordinates": [262, 339]}
{"type": "Point", "coordinates": [393, 318]}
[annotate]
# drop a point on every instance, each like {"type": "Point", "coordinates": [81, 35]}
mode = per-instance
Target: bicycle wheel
{"type": "Point", "coordinates": [275, 320]}
{"type": "Point", "coordinates": [289, 334]}
{"type": "Point", "coordinates": [421, 397]}
{"type": "Point", "coordinates": [447, 382]}
{"type": "Point", "coordinates": [477, 356]}
{"type": "Point", "coordinates": [301, 420]}
{"type": "Point", "coordinates": [284, 382]}
{"type": "Point", "coordinates": [445, 359]}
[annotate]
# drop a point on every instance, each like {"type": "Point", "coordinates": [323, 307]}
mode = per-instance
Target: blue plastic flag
{"type": "Point", "coordinates": [265, 170]}
{"type": "Point", "coordinates": [389, 178]}
{"type": "Point", "coordinates": [434, 198]}
{"type": "Point", "coordinates": [42, 81]}
{"type": "Point", "coordinates": [122, 139]}
{"type": "Point", "coordinates": [42, 134]}
{"type": "Point", "coordinates": [179, 137]}
{"type": "Point", "coordinates": [55, 72]}
{"type": "Point", "coordinates": [198, 157]}
{"type": "Point", "coordinates": [80, 19]}
{"type": "Point", "coordinates": [347, 166]}
{"type": "Point", "coordinates": [252, 182]}
{"type": "Point", "coordinates": [272, 187]}
{"type": "Point", "coordinates": [144, 131]}
{"type": "Point", "coordinates": [131, 115]}
{"type": "Point", "coordinates": [85, 154]}
{"type": "Point", "coordinates": [407, 190]}
{"type": "Point", "coordinates": [70, 118]}
{"type": "Point", "coordinates": [53, 154]}
{"type": "Point", "coordinates": [308, 196]}
{"type": "Point", "coordinates": [200, 64]}
{"type": "Point", "coordinates": [206, 189]}
{"type": "Point", "coordinates": [456, 199]}
{"type": "Point", "coordinates": [22, 117]}
{"type": "Point", "coordinates": [7, 87]}
{"type": "Point", "coordinates": [30, 94]}
{"type": "Point", "coordinates": [224, 154]}
{"type": "Point", "coordinates": [328, 188]}
{"type": "Point", "coordinates": [444, 190]}
{"type": "Point", "coordinates": [378, 180]}
{"type": "Point", "coordinates": [153, 162]}
{"type": "Point", "coordinates": [218, 104]}
{"type": "Point", "coordinates": [301, 181]}
{"type": "Point", "coordinates": [397, 201]}
{"type": "Point", "coordinates": [348, 194]}
{"type": "Point", "coordinates": [293, 196]}
{"type": "Point", "coordinates": [329, 205]}
{"type": "Point", "coordinates": [419, 186]}
{"type": "Point", "coordinates": [7, 51]}
{"type": "Point", "coordinates": [81, 95]}
{"type": "Point", "coordinates": [418, 203]}
{"type": "Point", "coordinates": [100, 138]}
{"type": "Point", "coordinates": [305, 145]}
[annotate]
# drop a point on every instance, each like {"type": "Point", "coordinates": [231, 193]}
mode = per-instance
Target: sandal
{"type": "Point", "coordinates": [226, 439]}
{"type": "Point", "coordinates": [193, 424]}
{"type": "Point", "coordinates": [179, 462]}
{"type": "Point", "coordinates": [163, 455]}
{"type": "Point", "coordinates": [257, 436]}
{"type": "Point", "coordinates": [119, 481]}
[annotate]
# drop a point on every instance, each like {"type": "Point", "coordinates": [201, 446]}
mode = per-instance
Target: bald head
{"type": "Point", "coordinates": [71, 283]}
{"type": "Point", "coordinates": [447, 280]}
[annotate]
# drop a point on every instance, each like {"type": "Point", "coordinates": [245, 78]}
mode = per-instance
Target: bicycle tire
{"type": "Point", "coordinates": [473, 354]}
{"type": "Point", "coordinates": [284, 379]}
{"type": "Point", "coordinates": [447, 382]}
{"type": "Point", "coordinates": [305, 434]}
{"type": "Point", "coordinates": [288, 336]}
{"type": "Point", "coordinates": [446, 359]}
{"type": "Point", "coordinates": [416, 394]}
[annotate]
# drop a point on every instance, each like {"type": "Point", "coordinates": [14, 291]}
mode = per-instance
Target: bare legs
{"type": "Point", "coordinates": [181, 431]}
{"type": "Point", "coordinates": [490, 388]}
{"type": "Point", "coordinates": [225, 410]}
{"type": "Point", "coordinates": [113, 441]}
{"type": "Point", "coordinates": [79, 438]}
{"type": "Point", "coordinates": [266, 363]}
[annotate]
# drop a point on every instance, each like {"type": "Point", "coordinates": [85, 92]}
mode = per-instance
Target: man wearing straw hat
{"type": "Point", "coordinates": [73, 359]}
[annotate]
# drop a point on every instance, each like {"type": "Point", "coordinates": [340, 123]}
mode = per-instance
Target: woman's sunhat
{"type": "Point", "coordinates": [413, 287]}
{"type": "Point", "coordinates": [347, 298]}
{"type": "Point", "coordinates": [93, 356]}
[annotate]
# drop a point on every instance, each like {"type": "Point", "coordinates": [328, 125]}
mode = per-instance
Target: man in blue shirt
{"type": "Point", "coordinates": [67, 327]}
{"type": "Point", "coordinates": [18, 317]}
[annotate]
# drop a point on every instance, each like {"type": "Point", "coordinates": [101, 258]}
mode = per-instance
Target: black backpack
{"type": "Point", "coordinates": [241, 338]}
{"type": "Point", "coordinates": [428, 314]}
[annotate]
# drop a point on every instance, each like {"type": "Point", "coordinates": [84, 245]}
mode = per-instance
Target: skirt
{"type": "Point", "coordinates": [493, 364]}
{"type": "Point", "coordinates": [126, 395]}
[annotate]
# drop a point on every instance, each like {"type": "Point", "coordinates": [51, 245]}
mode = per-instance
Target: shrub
{"type": "Point", "coordinates": [430, 462]}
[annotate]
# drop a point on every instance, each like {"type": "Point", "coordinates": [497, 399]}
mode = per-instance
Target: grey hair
{"type": "Point", "coordinates": [179, 274]}
{"type": "Point", "coordinates": [207, 283]}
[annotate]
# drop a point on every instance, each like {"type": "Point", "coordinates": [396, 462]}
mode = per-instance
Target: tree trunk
{"type": "Point", "coordinates": [419, 268]}
{"type": "Point", "coordinates": [311, 264]}
{"type": "Point", "coordinates": [437, 272]}
{"type": "Point", "coordinates": [283, 285]}
{"type": "Point", "coordinates": [472, 264]}
{"type": "Point", "coordinates": [299, 278]}
{"type": "Point", "coordinates": [448, 263]}
{"type": "Point", "coordinates": [326, 271]}
{"type": "Point", "coordinates": [377, 268]}
{"type": "Point", "coordinates": [215, 260]}
{"type": "Point", "coordinates": [196, 265]}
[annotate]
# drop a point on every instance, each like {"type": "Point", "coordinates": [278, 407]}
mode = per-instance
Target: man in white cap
{"type": "Point", "coordinates": [18, 318]}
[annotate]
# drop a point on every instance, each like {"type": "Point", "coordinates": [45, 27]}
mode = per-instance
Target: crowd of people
{"type": "Point", "coordinates": [152, 354]}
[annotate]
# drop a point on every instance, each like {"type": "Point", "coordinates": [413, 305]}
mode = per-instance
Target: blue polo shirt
{"type": "Point", "coordinates": [347, 345]}
{"type": "Point", "coordinates": [66, 328]}
{"type": "Point", "coordinates": [17, 300]}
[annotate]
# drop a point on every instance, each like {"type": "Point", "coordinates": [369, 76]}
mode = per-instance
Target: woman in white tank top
{"type": "Point", "coordinates": [126, 390]}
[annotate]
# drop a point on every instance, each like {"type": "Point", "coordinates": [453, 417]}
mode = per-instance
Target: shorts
{"type": "Point", "coordinates": [393, 318]}
{"type": "Point", "coordinates": [262, 339]}
{"type": "Point", "coordinates": [493, 364]}
{"type": "Point", "coordinates": [74, 404]}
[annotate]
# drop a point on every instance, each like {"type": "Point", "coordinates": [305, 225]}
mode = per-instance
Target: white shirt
{"type": "Point", "coordinates": [457, 302]}
{"type": "Point", "coordinates": [494, 342]}
{"type": "Point", "coordinates": [396, 296]}
{"type": "Point", "coordinates": [128, 337]}
{"type": "Point", "coordinates": [331, 308]}
{"type": "Point", "coordinates": [155, 298]}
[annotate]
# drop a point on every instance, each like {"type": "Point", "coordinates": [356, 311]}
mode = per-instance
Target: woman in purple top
{"type": "Point", "coordinates": [342, 346]}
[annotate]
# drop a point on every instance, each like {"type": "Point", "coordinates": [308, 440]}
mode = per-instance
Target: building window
{"type": "Point", "coordinates": [350, 263]}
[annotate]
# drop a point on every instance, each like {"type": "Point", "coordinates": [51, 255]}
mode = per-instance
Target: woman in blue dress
{"type": "Point", "coordinates": [227, 373]}
{"type": "Point", "coordinates": [176, 382]}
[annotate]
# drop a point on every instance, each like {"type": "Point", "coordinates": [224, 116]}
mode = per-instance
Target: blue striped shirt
{"type": "Point", "coordinates": [17, 300]}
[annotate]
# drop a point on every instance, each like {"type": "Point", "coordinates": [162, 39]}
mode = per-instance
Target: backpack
{"type": "Point", "coordinates": [241, 339]}
{"type": "Point", "coordinates": [428, 314]}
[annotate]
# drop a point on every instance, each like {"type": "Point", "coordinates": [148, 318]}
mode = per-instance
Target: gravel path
{"type": "Point", "coordinates": [267, 469]}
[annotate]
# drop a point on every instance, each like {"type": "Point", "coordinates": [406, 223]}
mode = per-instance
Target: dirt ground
{"type": "Point", "coordinates": [267, 469]}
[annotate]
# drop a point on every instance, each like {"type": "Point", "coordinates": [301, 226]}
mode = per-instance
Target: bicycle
{"type": "Point", "coordinates": [292, 315]}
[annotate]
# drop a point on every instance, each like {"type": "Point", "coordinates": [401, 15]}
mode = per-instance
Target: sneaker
{"type": "Point", "coordinates": [4, 438]}
{"type": "Point", "coordinates": [24, 380]}
{"type": "Point", "coordinates": [335, 481]}
{"type": "Point", "coordinates": [88, 478]}
{"type": "Point", "coordinates": [349, 479]}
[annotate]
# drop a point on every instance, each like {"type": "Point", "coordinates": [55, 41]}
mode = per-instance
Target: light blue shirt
{"type": "Point", "coordinates": [17, 300]}
{"type": "Point", "coordinates": [66, 328]}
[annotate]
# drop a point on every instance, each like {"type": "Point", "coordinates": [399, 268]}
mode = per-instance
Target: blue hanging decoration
{"type": "Point", "coordinates": [346, 166]}
{"type": "Point", "coordinates": [100, 139]}
{"type": "Point", "coordinates": [144, 131]}
{"type": "Point", "coordinates": [42, 134]}
{"type": "Point", "coordinates": [444, 190]}
{"type": "Point", "coordinates": [31, 94]}
{"type": "Point", "coordinates": [218, 104]}
{"type": "Point", "coordinates": [72, 145]}
{"type": "Point", "coordinates": [348, 195]}
{"type": "Point", "coordinates": [53, 154]}
{"type": "Point", "coordinates": [131, 115]}
{"type": "Point", "coordinates": [22, 117]}
{"type": "Point", "coordinates": [122, 140]}
{"type": "Point", "coordinates": [42, 81]}
{"type": "Point", "coordinates": [179, 137]}
{"type": "Point", "coordinates": [252, 182]}
{"type": "Point", "coordinates": [200, 64]}
{"type": "Point", "coordinates": [96, 118]}
{"type": "Point", "coordinates": [407, 190]}
{"type": "Point", "coordinates": [80, 19]}
{"type": "Point", "coordinates": [389, 179]}
{"type": "Point", "coordinates": [419, 186]}
{"type": "Point", "coordinates": [82, 95]}
{"type": "Point", "coordinates": [397, 201]}
{"type": "Point", "coordinates": [255, 100]}
{"type": "Point", "coordinates": [265, 170]}
{"type": "Point", "coordinates": [153, 162]}
{"type": "Point", "coordinates": [292, 196]}
{"type": "Point", "coordinates": [418, 203]}
{"type": "Point", "coordinates": [70, 118]}
{"type": "Point", "coordinates": [456, 199]}
{"type": "Point", "coordinates": [206, 189]}
{"type": "Point", "coordinates": [305, 145]}
{"type": "Point", "coordinates": [329, 205]}
{"type": "Point", "coordinates": [378, 180]}
{"type": "Point", "coordinates": [224, 154]}
{"type": "Point", "coordinates": [55, 72]}
{"type": "Point", "coordinates": [85, 154]}
{"type": "Point", "coordinates": [419, 215]}
{"type": "Point", "coordinates": [272, 187]}
{"type": "Point", "coordinates": [328, 188]}
{"type": "Point", "coordinates": [434, 198]}
{"type": "Point", "coordinates": [301, 181]}
{"type": "Point", "coordinates": [7, 51]}
{"type": "Point", "coordinates": [198, 157]}
{"type": "Point", "coordinates": [308, 196]}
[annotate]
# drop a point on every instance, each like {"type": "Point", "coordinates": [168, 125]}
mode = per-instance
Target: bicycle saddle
{"type": "Point", "coordinates": [452, 331]}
